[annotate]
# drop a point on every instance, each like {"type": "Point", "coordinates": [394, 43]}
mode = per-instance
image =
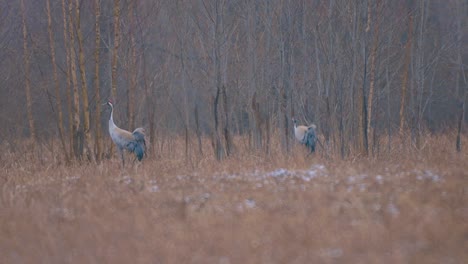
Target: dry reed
{"type": "Point", "coordinates": [406, 205]}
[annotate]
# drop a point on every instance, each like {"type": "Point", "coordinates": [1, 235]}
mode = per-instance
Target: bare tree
{"type": "Point", "coordinates": [256, 119]}
{"type": "Point", "coordinates": [68, 78]}
{"type": "Point", "coordinates": [286, 29]}
{"type": "Point", "coordinates": [462, 115]}
{"type": "Point", "coordinates": [115, 49]}
{"type": "Point", "coordinates": [115, 52]}
{"type": "Point", "coordinates": [133, 66]}
{"type": "Point", "coordinates": [27, 76]}
{"type": "Point", "coordinates": [461, 8]}
{"type": "Point", "coordinates": [98, 136]}
{"type": "Point", "coordinates": [420, 68]}
{"type": "Point", "coordinates": [373, 55]}
{"type": "Point", "coordinates": [84, 87]}
{"type": "Point", "coordinates": [221, 32]}
{"type": "Point", "coordinates": [77, 134]}
{"type": "Point", "coordinates": [58, 99]}
{"type": "Point", "coordinates": [407, 60]}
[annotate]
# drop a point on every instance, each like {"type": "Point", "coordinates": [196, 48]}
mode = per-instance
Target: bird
{"type": "Point", "coordinates": [305, 135]}
{"type": "Point", "coordinates": [134, 142]}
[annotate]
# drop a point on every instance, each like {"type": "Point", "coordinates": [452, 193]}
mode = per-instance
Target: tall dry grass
{"type": "Point", "coordinates": [405, 205]}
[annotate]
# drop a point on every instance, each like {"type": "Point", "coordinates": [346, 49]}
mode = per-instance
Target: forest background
{"type": "Point", "coordinates": [365, 72]}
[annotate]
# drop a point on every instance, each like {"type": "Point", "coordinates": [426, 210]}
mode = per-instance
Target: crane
{"type": "Point", "coordinates": [134, 142]}
{"type": "Point", "coordinates": [305, 135]}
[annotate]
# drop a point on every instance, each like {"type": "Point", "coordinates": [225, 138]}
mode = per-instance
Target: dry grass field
{"type": "Point", "coordinates": [406, 206]}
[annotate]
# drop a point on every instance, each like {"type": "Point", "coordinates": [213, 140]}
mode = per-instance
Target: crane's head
{"type": "Point", "coordinates": [294, 121]}
{"type": "Point", "coordinates": [109, 103]}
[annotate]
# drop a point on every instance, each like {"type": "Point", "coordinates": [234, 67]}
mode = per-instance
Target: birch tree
{"type": "Point", "coordinates": [77, 134]}
{"type": "Point", "coordinates": [97, 41]}
{"type": "Point", "coordinates": [58, 100]}
{"type": "Point", "coordinates": [407, 60]}
{"type": "Point", "coordinates": [115, 49]}
{"type": "Point", "coordinates": [27, 76]}
{"type": "Point", "coordinates": [373, 55]}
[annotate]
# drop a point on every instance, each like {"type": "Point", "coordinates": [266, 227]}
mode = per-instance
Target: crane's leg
{"type": "Point", "coordinates": [122, 157]}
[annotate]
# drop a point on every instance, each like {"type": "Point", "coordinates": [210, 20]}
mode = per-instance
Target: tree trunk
{"type": "Point", "coordinates": [97, 30]}
{"type": "Point", "coordinates": [364, 143]}
{"type": "Point", "coordinates": [77, 135]}
{"type": "Point", "coordinates": [420, 72]}
{"type": "Point", "coordinates": [27, 76]}
{"type": "Point", "coordinates": [227, 134]}
{"type": "Point", "coordinates": [461, 73]}
{"type": "Point", "coordinates": [460, 122]}
{"type": "Point", "coordinates": [68, 78]}
{"type": "Point", "coordinates": [197, 125]}
{"type": "Point", "coordinates": [318, 79]}
{"type": "Point", "coordinates": [84, 88]}
{"type": "Point", "coordinates": [373, 56]}
{"type": "Point", "coordinates": [58, 99]}
{"type": "Point", "coordinates": [149, 106]}
{"type": "Point", "coordinates": [218, 26]}
{"type": "Point", "coordinates": [389, 127]}
{"type": "Point", "coordinates": [133, 68]}
{"type": "Point", "coordinates": [404, 86]}
{"type": "Point", "coordinates": [218, 147]}
{"type": "Point", "coordinates": [116, 48]}
{"type": "Point", "coordinates": [115, 51]}
{"type": "Point", "coordinates": [257, 122]}
{"type": "Point", "coordinates": [353, 131]}
{"type": "Point", "coordinates": [251, 80]}
{"type": "Point", "coordinates": [286, 28]}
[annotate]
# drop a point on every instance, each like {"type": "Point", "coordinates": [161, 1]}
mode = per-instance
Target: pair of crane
{"type": "Point", "coordinates": [135, 142]}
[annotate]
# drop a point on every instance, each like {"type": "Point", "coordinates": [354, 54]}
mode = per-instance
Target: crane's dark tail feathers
{"type": "Point", "coordinates": [139, 151]}
{"type": "Point", "coordinates": [310, 139]}
{"type": "Point", "coordinates": [140, 143]}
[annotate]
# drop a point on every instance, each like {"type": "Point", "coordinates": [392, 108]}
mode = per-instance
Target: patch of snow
{"type": "Point", "coordinates": [224, 260]}
{"type": "Point", "coordinates": [240, 208]}
{"type": "Point", "coordinates": [21, 188]}
{"type": "Point", "coordinates": [126, 179]}
{"type": "Point", "coordinates": [72, 178]}
{"type": "Point", "coordinates": [331, 252]}
{"type": "Point", "coordinates": [427, 174]}
{"type": "Point", "coordinates": [392, 209]}
{"type": "Point", "coordinates": [280, 174]}
{"type": "Point", "coordinates": [63, 212]}
{"type": "Point", "coordinates": [362, 187]}
{"type": "Point", "coordinates": [277, 173]}
{"type": "Point", "coordinates": [181, 177]}
{"type": "Point", "coordinates": [379, 179]}
{"type": "Point", "coordinates": [153, 187]}
{"type": "Point", "coordinates": [250, 203]}
{"type": "Point", "coordinates": [376, 207]}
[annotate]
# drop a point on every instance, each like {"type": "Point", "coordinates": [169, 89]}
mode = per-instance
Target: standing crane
{"type": "Point", "coordinates": [134, 142]}
{"type": "Point", "coordinates": [306, 135]}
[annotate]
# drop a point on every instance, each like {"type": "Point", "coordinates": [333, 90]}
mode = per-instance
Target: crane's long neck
{"type": "Point", "coordinates": [111, 119]}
